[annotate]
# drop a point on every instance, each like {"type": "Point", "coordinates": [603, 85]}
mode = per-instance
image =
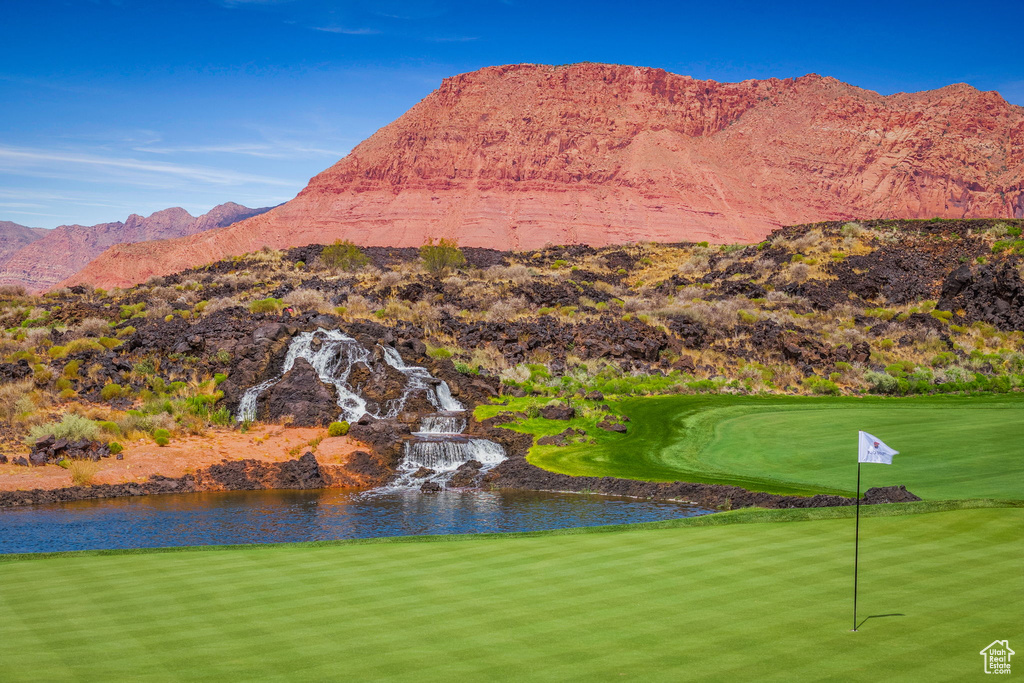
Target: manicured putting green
{"type": "Point", "coordinates": [755, 601]}
{"type": "Point", "coordinates": [950, 447]}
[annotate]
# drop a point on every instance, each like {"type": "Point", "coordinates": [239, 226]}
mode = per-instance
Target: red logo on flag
{"type": "Point", "coordinates": [876, 444]}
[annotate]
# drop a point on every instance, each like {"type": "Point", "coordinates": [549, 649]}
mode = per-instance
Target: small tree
{"type": "Point", "coordinates": [343, 255]}
{"type": "Point", "coordinates": [439, 257]}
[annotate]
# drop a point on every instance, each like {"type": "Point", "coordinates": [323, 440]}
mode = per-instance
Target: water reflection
{"type": "Point", "coordinates": [285, 516]}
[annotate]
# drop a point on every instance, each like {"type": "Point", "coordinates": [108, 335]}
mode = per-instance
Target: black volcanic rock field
{"type": "Point", "coordinates": [884, 307]}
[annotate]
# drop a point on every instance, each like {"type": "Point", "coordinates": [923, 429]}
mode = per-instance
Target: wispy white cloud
{"type": "Point", "coordinates": [452, 39]}
{"type": "Point", "coordinates": [263, 151]}
{"type": "Point", "coordinates": [45, 163]}
{"type": "Point", "coordinates": [347, 31]}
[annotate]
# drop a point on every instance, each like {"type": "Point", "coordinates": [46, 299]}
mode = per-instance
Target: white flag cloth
{"type": "Point", "coordinates": [871, 449]}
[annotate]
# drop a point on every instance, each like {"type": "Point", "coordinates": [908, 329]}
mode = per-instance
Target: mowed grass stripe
{"type": "Point", "coordinates": [747, 601]}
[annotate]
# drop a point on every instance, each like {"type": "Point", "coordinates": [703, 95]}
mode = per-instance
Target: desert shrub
{"type": "Point", "coordinates": [747, 317]}
{"type": "Point", "coordinates": [268, 305]}
{"type": "Point", "coordinates": [944, 359]}
{"type": "Point", "coordinates": [11, 291]}
{"type": "Point", "coordinates": [998, 230]}
{"type": "Point", "coordinates": [79, 345]}
{"type": "Point", "coordinates": [798, 272]}
{"type": "Point", "coordinates": [266, 254]}
{"type": "Point", "coordinates": [112, 391]}
{"type": "Point", "coordinates": [881, 382]}
{"type": "Point", "coordinates": [11, 395]}
{"type": "Point", "coordinates": [337, 429]}
{"type": "Point", "coordinates": [880, 313]}
{"type": "Point", "coordinates": [390, 279]}
{"type": "Point", "coordinates": [91, 327]}
{"type": "Point", "coordinates": [109, 427]}
{"type": "Point", "coordinates": [851, 230]}
{"type": "Point", "coordinates": [440, 257]}
{"type": "Point", "coordinates": [221, 416]}
{"type": "Point", "coordinates": [504, 310]}
{"type": "Point", "coordinates": [134, 311]}
{"type": "Point", "coordinates": [162, 437]}
{"type": "Point", "coordinates": [306, 300]}
{"type": "Point", "coordinates": [358, 305]}
{"type": "Point", "coordinates": [821, 386]}
{"type": "Point", "coordinates": [71, 427]}
{"type": "Point", "coordinates": [439, 352]}
{"type": "Point", "coordinates": [110, 342]}
{"type": "Point", "coordinates": [221, 303]}
{"type": "Point", "coordinates": [517, 273]}
{"type": "Point", "coordinates": [344, 255]}
{"type": "Point", "coordinates": [71, 369]}
{"type": "Point", "coordinates": [82, 471]}
{"type": "Point", "coordinates": [115, 447]}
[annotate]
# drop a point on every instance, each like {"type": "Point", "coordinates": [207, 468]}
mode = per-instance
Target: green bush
{"type": "Point", "coordinates": [337, 429]}
{"type": "Point", "coordinates": [440, 353]}
{"type": "Point", "coordinates": [882, 383]}
{"type": "Point", "coordinates": [112, 391]}
{"type": "Point", "coordinates": [110, 427]}
{"type": "Point", "coordinates": [162, 437]}
{"type": "Point", "coordinates": [71, 369]}
{"type": "Point", "coordinates": [439, 257]}
{"type": "Point", "coordinates": [821, 386]}
{"type": "Point", "coordinates": [115, 447]}
{"type": "Point", "coordinates": [344, 255]}
{"type": "Point", "coordinates": [71, 427]}
{"type": "Point", "coordinates": [268, 305]}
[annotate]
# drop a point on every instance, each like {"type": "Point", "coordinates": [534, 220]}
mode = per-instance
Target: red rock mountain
{"type": "Point", "coordinates": [521, 156]}
{"type": "Point", "coordinates": [13, 237]}
{"type": "Point", "coordinates": [57, 254]}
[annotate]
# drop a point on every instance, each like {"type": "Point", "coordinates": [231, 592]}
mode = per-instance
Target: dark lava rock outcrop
{"type": "Point", "coordinates": [992, 294]}
{"type": "Point", "coordinates": [301, 394]}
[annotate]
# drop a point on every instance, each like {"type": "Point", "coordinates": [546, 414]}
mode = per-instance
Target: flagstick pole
{"type": "Point", "coordinates": [856, 550]}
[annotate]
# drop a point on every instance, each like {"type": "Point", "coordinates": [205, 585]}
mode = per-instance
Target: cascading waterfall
{"type": "Point", "coordinates": [439, 444]}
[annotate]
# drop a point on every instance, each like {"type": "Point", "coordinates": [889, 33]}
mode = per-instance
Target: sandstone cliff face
{"type": "Point", "coordinates": [516, 157]}
{"type": "Point", "coordinates": [13, 237]}
{"type": "Point", "coordinates": [60, 253]}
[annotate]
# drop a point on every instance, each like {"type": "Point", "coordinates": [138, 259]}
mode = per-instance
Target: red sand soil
{"type": "Point", "coordinates": [186, 455]}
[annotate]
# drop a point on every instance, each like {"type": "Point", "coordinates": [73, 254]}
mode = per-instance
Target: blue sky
{"type": "Point", "coordinates": [111, 107]}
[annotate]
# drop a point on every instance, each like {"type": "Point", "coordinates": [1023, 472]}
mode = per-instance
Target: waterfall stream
{"type": "Point", "coordinates": [439, 445]}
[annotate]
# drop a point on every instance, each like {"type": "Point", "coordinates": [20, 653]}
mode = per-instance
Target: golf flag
{"type": "Point", "coordinates": [871, 449]}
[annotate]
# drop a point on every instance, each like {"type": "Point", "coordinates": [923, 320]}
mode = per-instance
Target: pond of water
{"type": "Point", "coordinates": [287, 516]}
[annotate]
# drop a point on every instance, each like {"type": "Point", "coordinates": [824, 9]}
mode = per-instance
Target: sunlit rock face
{"type": "Point", "coordinates": [516, 157]}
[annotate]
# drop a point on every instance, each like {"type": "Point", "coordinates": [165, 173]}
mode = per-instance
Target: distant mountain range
{"type": "Point", "coordinates": [38, 259]}
{"type": "Point", "coordinates": [516, 157]}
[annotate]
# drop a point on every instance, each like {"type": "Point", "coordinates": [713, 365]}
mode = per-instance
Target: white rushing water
{"type": "Point", "coordinates": [439, 444]}
{"type": "Point", "coordinates": [333, 360]}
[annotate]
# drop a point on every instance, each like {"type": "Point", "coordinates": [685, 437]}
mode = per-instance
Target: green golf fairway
{"type": "Point", "coordinates": [703, 601]}
{"type": "Point", "coordinates": [950, 447]}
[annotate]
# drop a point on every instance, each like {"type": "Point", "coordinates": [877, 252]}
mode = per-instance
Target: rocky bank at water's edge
{"type": "Point", "coordinates": [304, 472]}
{"type": "Point", "coordinates": [517, 473]}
